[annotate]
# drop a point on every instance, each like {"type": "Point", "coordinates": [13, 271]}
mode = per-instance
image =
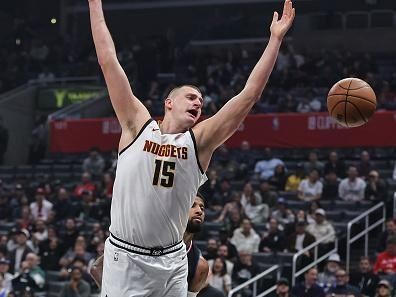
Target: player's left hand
{"type": "Point", "coordinates": [280, 27]}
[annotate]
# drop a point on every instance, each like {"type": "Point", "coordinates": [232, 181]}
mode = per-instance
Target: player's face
{"type": "Point", "coordinates": [196, 216]}
{"type": "Point", "coordinates": [186, 105]}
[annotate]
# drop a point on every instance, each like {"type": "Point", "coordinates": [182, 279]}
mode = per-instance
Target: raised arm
{"type": "Point", "coordinates": [131, 113]}
{"type": "Point", "coordinates": [214, 131]}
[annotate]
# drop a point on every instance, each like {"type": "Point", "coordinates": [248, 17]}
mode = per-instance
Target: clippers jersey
{"type": "Point", "coordinates": [157, 179]}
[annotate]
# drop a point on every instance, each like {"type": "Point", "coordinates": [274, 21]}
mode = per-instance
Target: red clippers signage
{"type": "Point", "coordinates": [273, 130]}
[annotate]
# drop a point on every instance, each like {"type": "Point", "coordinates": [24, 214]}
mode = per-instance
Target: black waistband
{"type": "Point", "coordinates": [154, 251]}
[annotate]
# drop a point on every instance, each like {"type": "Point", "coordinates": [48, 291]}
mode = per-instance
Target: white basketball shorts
{"type": "Point", "coordinates": [129, 272]}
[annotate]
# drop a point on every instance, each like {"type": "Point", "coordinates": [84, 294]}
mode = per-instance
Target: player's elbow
{"type": "Point", "coordinates": [252, 93]}
{"type": "Point", "coordinates": [107, 58]}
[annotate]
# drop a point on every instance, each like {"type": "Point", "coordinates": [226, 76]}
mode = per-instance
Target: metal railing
{"type": "Point", "coordinates": [365, 231]}
{"type": "Point", "coordinates": [254, 281]}
{"type": "Point", "coordinates": [316, 260]}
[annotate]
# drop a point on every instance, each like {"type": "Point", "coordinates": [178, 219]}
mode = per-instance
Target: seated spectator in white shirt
{"type": "Point", "coordinates": [41, 208]}
{"type": "Point", "coordinates": [265, 168]}
{"type": "Point", "coordinates": [256, 212]}
{"type": "Point", "coordinates": [352, 187]}
{"type": "Point", "coordinates": [321, 227]}
{"type": "Point", "coordinates": [245, 238]}
{"type": "Point", "coordinates": [282, 214]}
{"type": "Point", "coordinates": [310, 188]}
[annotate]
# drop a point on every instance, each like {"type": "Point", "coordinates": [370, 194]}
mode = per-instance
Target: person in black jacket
{"type": "Point", "coordinates": [343, 288]}
{"type": "Point", "coordinates": [365, 279]}
{"type": "Point", "coordinates": [309, 287]}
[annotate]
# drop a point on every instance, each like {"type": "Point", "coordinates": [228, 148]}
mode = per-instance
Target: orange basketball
{"type": "Point", "coordinates": [351, 102]}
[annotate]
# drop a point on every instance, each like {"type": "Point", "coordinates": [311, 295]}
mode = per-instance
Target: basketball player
{"type": "Point", "coordinates": [160, 168]}
{"type": "Point", "coordinates": [197, 266]}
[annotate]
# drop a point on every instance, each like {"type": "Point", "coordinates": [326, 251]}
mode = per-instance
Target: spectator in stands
{"type": "Point", "coordinates": [364, 278]}
{"type": "Point", "coordinates": [282, 288]}
{"type": "Point", "coordinates": [330, 186]}
{"type": "Point", "coordinates": [352, 187]}
{"type": "Point", "coordinates": [26, 220]}
{"type": "Point", "coordinates": [7, 277]}
{"type": "Point", "coordinates": [310, 213]}
{"type": "Point", "coordinates": [310, 188]}
{"type": "Point", "coordinates": [335, 165]}
{"type": "Point", "coordinates": [327, 278]}
{"type": "Point", "coordinates": [309, 287]}
{"type": "Point", "coordinates": [245, 158]}
{"type": "Point", "coordinates": [41, 207]}
{"type": "Point", "coordinates": [23, 281]}
{"type": "Point", "coordinates": [273, 240]}
{"type": "Point", "coordinates": [63, 206]}
{"type": "Point", "coordinates": [365, 165]}
{"type": "Point", "coordinates": [293, 181]}
{"type": "Point", "coordinates": [87, 208]}
{"type": "Point", "coordinates": [220, 279]}
{"type": "Point", "coordinates": [3, 290]}
{"type": "Point", "coordinates": [233, 207]}
{"type": "Point", "coordinates": [3, 141]}
{"type": "Point", "coordinates": [31, 266]}
{"type": "Point", "coordinates": [223, 253]}
{"type": "Point", "coordinates": [282, 214]}
{"type": "Point", "coordinates": [245, 238]}
{"type": "Point", "coordinates": [223, 195]}
{"type": "Point", "coordinates": [342, 287]}
{"type": "Point", "coordinates": [107, 185]}
{"type": "Point", "coordinates": [70, 234]}
{"type": "Point", "coordinates": [389, 231]}
{"type": "Point", "coordinates": [79, 251]}
{"type": "Point", "coordinates": [384, 289]}
{"type": "Point", "coordinates": [86, 184]}
{"type": "Point", "coordinates": [211, 249]}
{"type": "Point", "coordinates": [265, 168]}
{"type": "Point", "coordinates": [211, 187]}
{"type": "Point", "coordinates": [77, 286]}
{"type": "Point", "coordinates": [208, 290]}
{"type": "Point", "coordinates": [385, 265]}
{"type": "Point", "coordinates": [321, 227]}
{"type": "Point", "coordinates": [17, 200]}
{"type": "Point", "coordinates": [267, 194]}
{"type": "Point", "coordinates": [394, 172]}
{"type": "Point", "coordinates": [256, 211]}
{"type": "Point", "coordinates": [299, 239]}
{"type": "Point", "coordinates": [41, 232]}
{"type": "Point", "coordinates": [50, 255]}
{"type": "Point", "coordinates": [245, 268]}
{"type": "Point", "coordinates": [313, 163]}
{"type": "Point", "coordinates": [278, 180]}
{"type": "Point", "coordinates": [224, 240]}
{"type": "Point", "coordinates": [94, 164]}
{"type": "Point", "coordinates": [248, 191]}
{"type": "Point", "coordinates": [375, 187]}
{"type": "Point", "coordinates": [21, 251]}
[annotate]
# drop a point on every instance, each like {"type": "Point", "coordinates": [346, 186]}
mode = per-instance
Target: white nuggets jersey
{"type": "Point", "coordinates": [157, 179]}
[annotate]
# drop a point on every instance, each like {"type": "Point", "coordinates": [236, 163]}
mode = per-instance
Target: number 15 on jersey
{"type": "Point", "coordinates": [164, 173]}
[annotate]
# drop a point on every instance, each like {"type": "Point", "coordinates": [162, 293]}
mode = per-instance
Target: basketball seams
{"type": "Point", "coordinates": [335, 105]}
{"type": "Point", "coordinates": [346, 101]}
{"type": "Point", "coordinates": [359, 97]}
{"type": "Point", "coordinates": [358, 110]}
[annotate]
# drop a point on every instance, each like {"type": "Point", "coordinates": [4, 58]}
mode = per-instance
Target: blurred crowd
{"type": "Point", "coordinates": [255, 205]}
{"type": "Point", "coordinates": [299, 83]}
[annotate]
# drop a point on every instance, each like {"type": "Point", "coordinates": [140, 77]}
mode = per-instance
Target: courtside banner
{"type": "Point", "coordinates": [273, 130]}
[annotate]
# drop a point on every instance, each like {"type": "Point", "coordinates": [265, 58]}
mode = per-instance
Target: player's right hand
{"type": "Point", "coordinates": [280, 27]}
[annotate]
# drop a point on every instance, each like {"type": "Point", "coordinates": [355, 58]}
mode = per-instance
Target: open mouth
{"type": "Point", "coordinates": [197, 219]}
{"type": "Point", "coordinates": [193, 112]}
